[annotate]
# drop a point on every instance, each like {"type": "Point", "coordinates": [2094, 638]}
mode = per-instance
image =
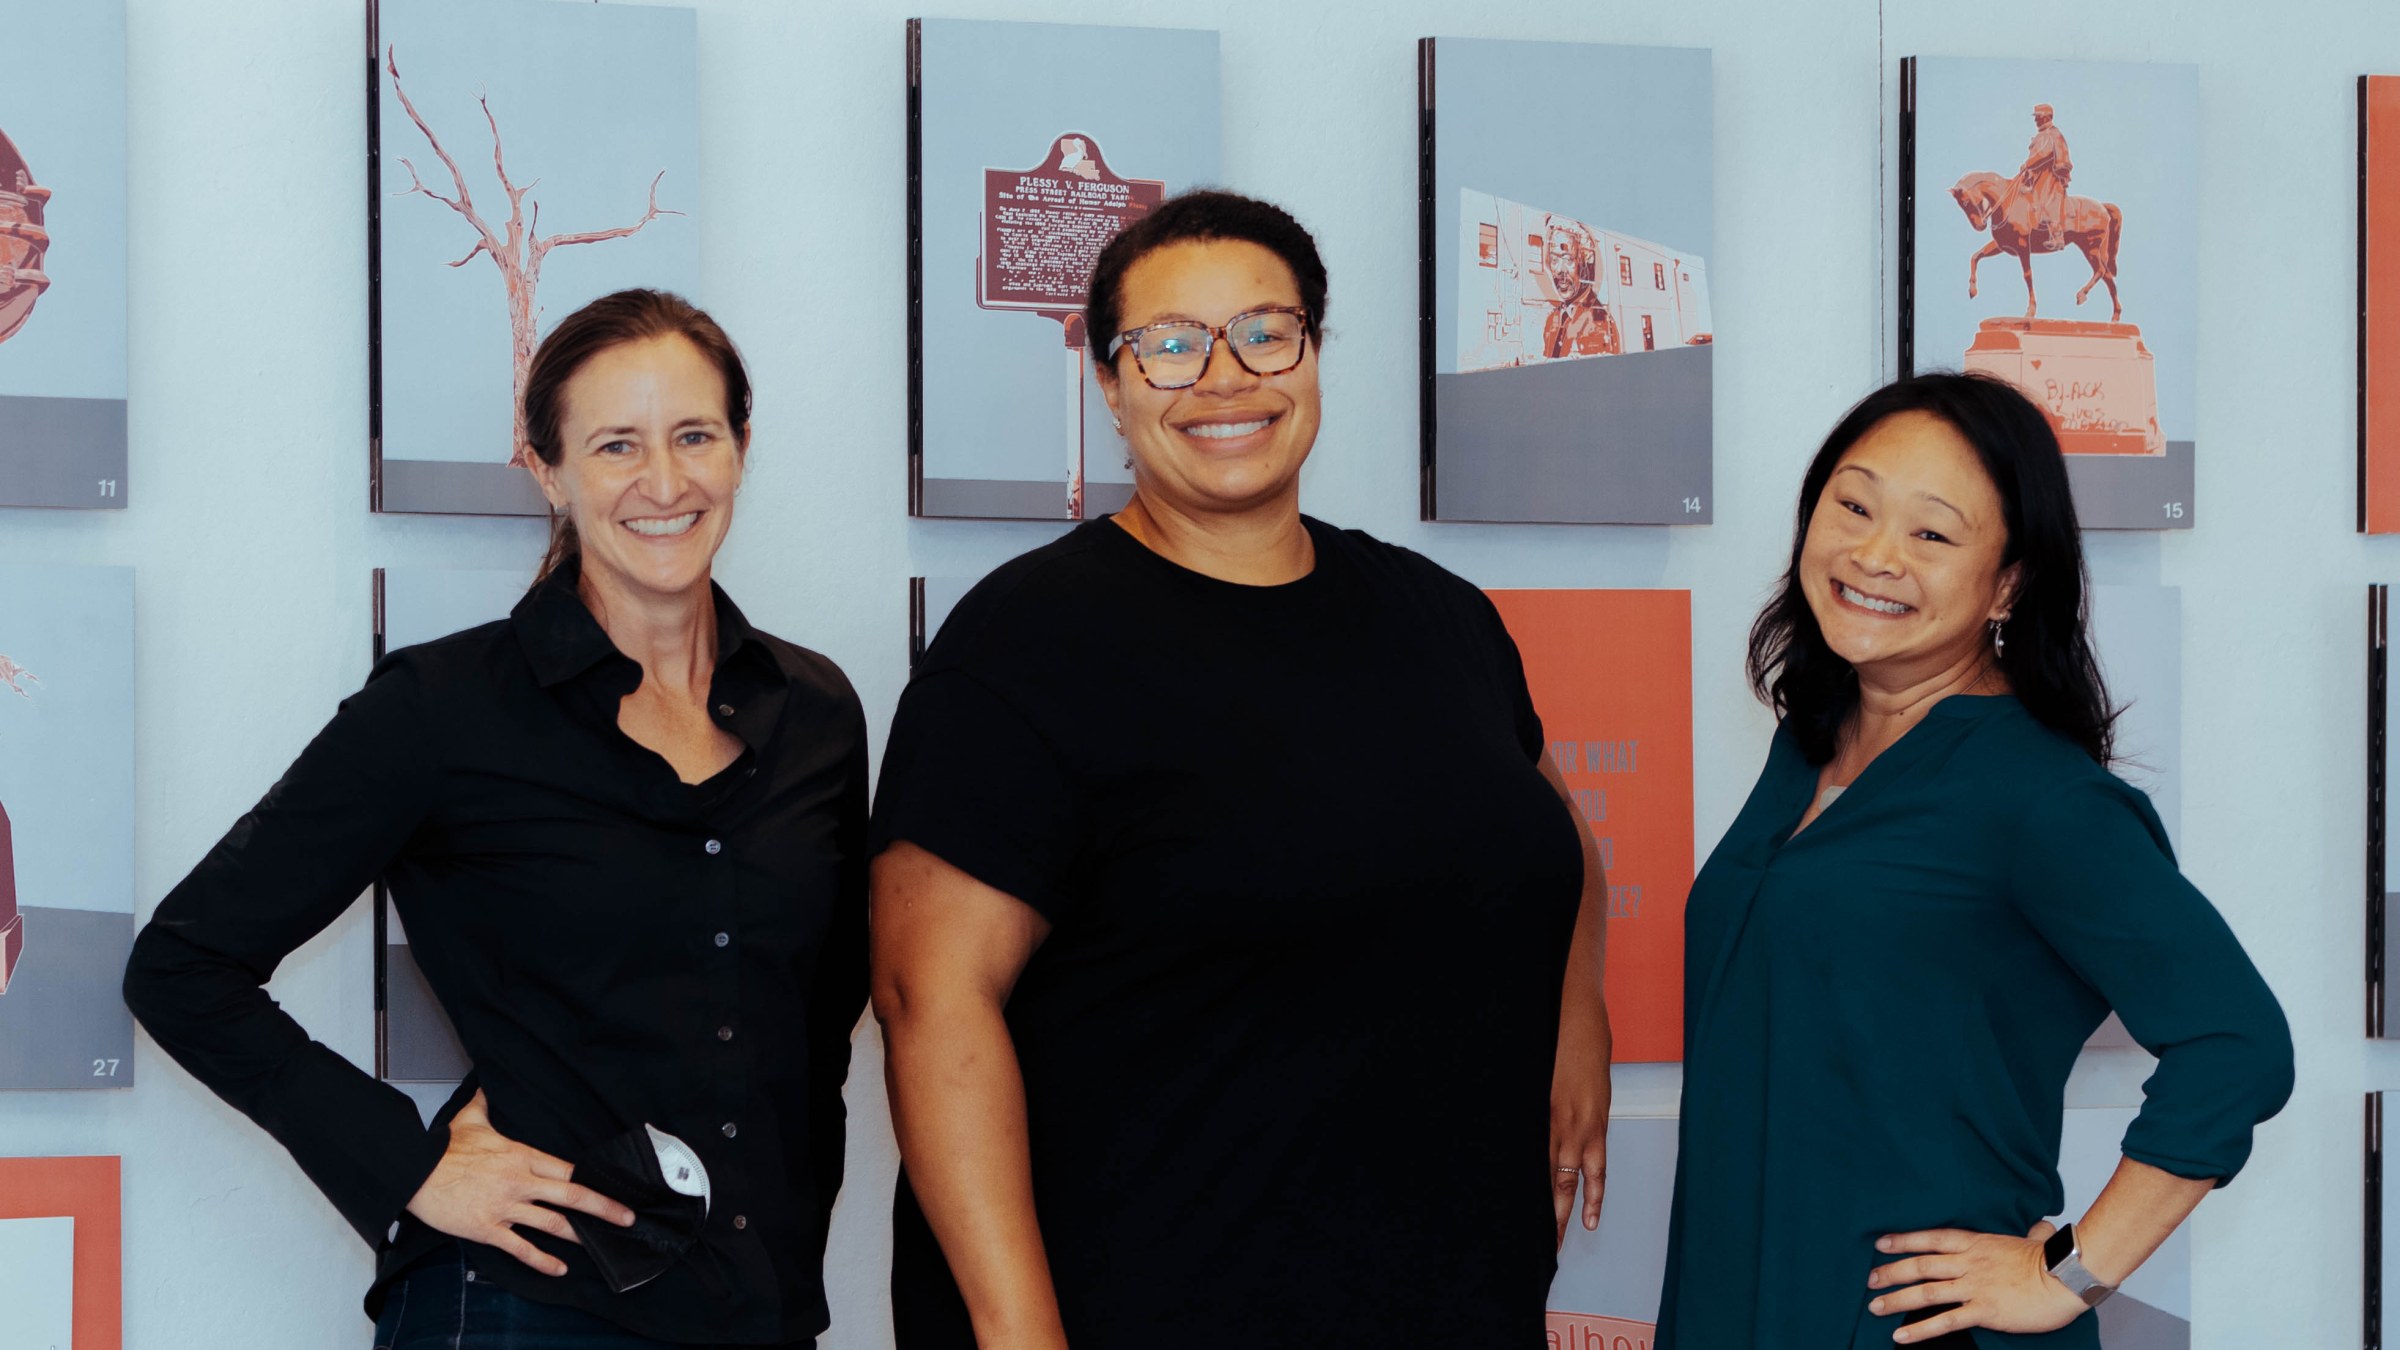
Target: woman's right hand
{"type": "Point", "coordinates": [486, 1185]}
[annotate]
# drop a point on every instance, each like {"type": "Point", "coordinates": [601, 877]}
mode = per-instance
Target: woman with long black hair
{"type": "Point", "coordinates": [1935, 893]}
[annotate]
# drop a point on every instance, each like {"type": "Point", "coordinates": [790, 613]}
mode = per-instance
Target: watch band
{"type": "Point", "coordinates": [2064, 1255]}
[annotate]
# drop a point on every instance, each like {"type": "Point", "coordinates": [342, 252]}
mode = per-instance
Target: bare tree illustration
{"type": "Point", "coordinates": [517, 249]}
{"type": "Point", "coordinates": [13, 675]}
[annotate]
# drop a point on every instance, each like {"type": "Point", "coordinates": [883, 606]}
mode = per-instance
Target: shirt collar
{"type": "Point", "coordinates": [562, 640]}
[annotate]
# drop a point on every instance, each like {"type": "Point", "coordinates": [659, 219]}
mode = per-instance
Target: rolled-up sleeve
{"type": "Point", "coordinates": [2096, 876]}
{"type": "Point", "coordinates": [284, 871]}
{"type": "Point", "coordinates": [968, 779]}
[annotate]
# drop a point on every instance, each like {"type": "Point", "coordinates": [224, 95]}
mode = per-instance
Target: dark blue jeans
{"type": "Point", "coordinates": [441, 1305]}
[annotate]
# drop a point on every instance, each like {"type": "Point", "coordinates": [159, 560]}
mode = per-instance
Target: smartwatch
{"type": "Point", "coordinates": [2064, 1256]}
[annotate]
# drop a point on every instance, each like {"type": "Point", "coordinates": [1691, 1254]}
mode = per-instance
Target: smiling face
{"type": "Point", "coordinates": [647, 466]}
{"type": "Point", "coordinates": [1233, 442]}
{"type": "Point", "coordinates": [1902, 561]}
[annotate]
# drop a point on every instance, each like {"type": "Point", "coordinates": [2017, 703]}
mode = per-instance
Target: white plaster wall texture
{"type": "Point", "coordinates": [254, 545]}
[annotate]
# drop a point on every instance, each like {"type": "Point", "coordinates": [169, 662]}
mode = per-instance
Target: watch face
{"type": "Point", "coordinates": [2058, 1247]}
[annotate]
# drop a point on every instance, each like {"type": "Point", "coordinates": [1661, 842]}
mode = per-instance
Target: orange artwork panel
{"type": "Point", "coordinates": [1580, 1331]}
{"type": "Point", "coordinates": [88, 1191]}
{"type": "Point", "coordinates": [2379, 304]}
{"type": "Point", "coordinates": [1611, 674]}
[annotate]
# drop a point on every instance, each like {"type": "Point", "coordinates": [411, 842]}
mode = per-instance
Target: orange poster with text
{"type": "Point", "coordinates": [2379, 304]}
{"type": "Point", "coordinates": [1611, 674]}
{"type": "Point", "coordinates": [87, 1191]}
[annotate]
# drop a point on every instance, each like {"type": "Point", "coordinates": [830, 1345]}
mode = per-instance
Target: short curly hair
{"type": "Point", "coordinates": [1199, 215]}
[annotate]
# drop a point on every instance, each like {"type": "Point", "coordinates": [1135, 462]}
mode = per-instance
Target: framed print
{"type": "Point", "coordinates": [508, 187]}
{"type": "Point", "coordinates": [1611, 676]}
{"type": "Point", "coordinates": [62, 255]}
{"type": "Point", "coordinates": [1030, 145]}
{"type": "Point", "coordinates": [66, 826]}
{"type": "Point", "coordinates": [1563, 283]}
{"type": "Point", "coordinates": [61, 1254]}
{"type": "Point", "coordinates": [414, 1042]}
{"type": "Point", "coordinates": [2379, 304]}
{"type": "Point", "coordinates": [2090, 301]}
{"type": "Point", "coordinates": [2382, 1245]}
{"type": "Point", "coordinates": [2381, 928]}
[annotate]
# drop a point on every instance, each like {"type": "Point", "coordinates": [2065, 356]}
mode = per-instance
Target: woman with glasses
{"type": "Point", "coordinates": [1237, 956]}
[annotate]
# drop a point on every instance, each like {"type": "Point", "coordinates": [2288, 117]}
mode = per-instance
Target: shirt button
{"type": "Point", "coordinates": [730, 1129]}
{"type": "Point", "coordinates": [724, 939]}
{"type": "Point", "coordinates": [724, 710]}
{"type": "Point", "coordinates": [714, 848]}
{"type": "Point", "coordinates": [724, 1033]}
{"type": "Point", "coordinates": [741, 1221]}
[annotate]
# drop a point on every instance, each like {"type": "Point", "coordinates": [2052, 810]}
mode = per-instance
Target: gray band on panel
{"type": "Point", "coordinates": [438, 487]}
{"type": "Point", "coordinates": [1602, 440]}
{"type": "Point", "coordinates": [62, 452]}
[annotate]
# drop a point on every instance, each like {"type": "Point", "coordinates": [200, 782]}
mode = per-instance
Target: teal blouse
{"type": "Point", "coordinates": [1880, 1014]}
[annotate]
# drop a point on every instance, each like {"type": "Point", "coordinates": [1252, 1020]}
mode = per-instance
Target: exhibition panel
{"type": "Point", "coordinates": [62, 255]}
{"type": "Point", "coordinates": [2122, 391]}
{"type": "Point", "coordinates": [66, 825]}
{"type": "Point", "coordinates": [1538, 262]}
{"type": "Point", "coordinates": [481, 113]}
{"type": "Point", "coordinates": [61, 1263]}
{"type": "Point", "coordinates": [1017, 178]}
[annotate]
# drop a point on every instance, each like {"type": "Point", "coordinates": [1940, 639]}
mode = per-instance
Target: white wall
{"type": "Point", "coordinates": [254, 546]}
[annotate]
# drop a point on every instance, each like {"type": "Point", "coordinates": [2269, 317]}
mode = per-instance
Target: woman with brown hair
{"type": "Point", "coordinates": [626, 832]}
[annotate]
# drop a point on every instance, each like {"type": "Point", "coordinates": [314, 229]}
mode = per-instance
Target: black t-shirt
{"type": "Point", "coordinates": [1287, 1050]}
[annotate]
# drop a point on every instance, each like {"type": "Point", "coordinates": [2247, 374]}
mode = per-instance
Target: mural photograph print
{"type": "Point", "coordinates": [62, 254]}
{"type": "Point", "coordinates": [528, 156]}
{"type": "Point", "coordinates": [1030, 145]}
{"type": "Point", "coordinates": [1568, 335]}
{"type": "Point", "coordinates": [2379, 304]}
{"type": "Point", "coordinates": [1611, 676]}
{"type": "Point", "coordinates": [414, 1042]}
{"type": "Point", "coordinates": [61, 1254]}
{"type": "Point", "coordinates": [2093, 233]}
{"type": "Point", "coordinates": [66, 826]}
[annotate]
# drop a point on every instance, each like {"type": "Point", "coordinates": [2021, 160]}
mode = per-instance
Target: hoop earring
{"type": "Point", "coordinates": [1999, 638]}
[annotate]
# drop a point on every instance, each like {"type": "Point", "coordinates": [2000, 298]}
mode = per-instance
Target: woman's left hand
{"type": "Point", "coordinates": [2000, 1283]}
{"type": "Point", "coordinates": [1579, 1093]}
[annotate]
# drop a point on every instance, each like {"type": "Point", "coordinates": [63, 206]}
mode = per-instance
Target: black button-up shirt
{"type": "Point", "coordinates": [616, 947]}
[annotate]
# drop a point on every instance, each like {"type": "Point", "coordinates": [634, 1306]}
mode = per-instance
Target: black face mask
{"type": "Point", "coordinates": [661, 1180]}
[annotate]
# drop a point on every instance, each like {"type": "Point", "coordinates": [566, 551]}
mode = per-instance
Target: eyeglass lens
{"type": "Point", "coordinates": [1265, 344]}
